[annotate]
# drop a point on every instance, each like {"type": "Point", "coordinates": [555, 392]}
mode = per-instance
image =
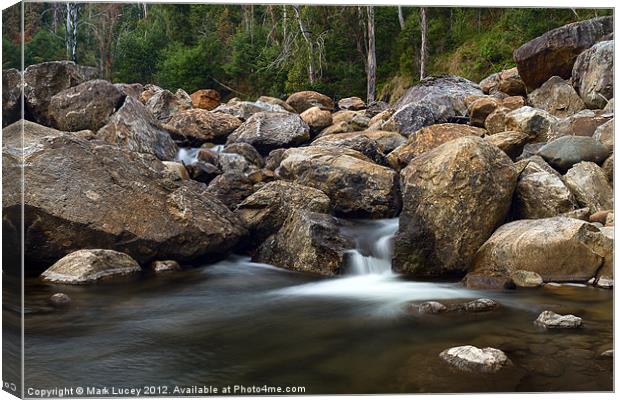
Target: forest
{"type": "Point", "coordinates": [250, 50]}
{"type": "Point", "coordinates": [246, 51]}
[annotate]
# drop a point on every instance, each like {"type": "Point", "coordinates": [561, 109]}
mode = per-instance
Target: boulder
{"type": "Point", "coordinates": [356, 122]}
{"type": "Point", "coordinates": [609, 221]}
{"type": "Point", "coordinates": [245, 150]}
{"type": "Point", "coordinates": [207, 99]}
{"type": "Point", "coordinates": [85, 106]}
{"type": "Point", "coordinates": [307, 242]}
{"type": "Point", "coordinates": [510, 142]}
{"type": "Point", "coordinates": [496, 121]}
{"type": "Point", "coordinates": [272, 161]}
{"type": "Point", "coordinates": [245, 109]}
{"type": "Point", "coordinates": [480, 305]}
{"type": "Point", "coordinates": [605, 247]}
{"type": "Point", "coordinates": [176, 169]}
{"type": "Point", "coordinates": [593, 74]}
{"type": "Point", "coordinates": [557, 97]}
{"type": "Point", "coordinates": [536, 123]}
{"type": "Point", "coordinates": [351, 103]}
{"type": "Point", "coordinates": [541, 195]}
{"type": "Point", "coordinates": [600, 216]}
{"type": "Point", "coordinates": [231, 188]}
{"type": "Point", "coordinates": [535, 163]}
{"type": "Point", "coordinates": [480, 109]}
{"type": "Point", "coordinates": [473, 359]}
{"type": "Point", "coordinates": [148, 91]}
{"type": "Point", "coordinates": [165, 266]}
{"type": "Point", "coordinates": [507, 81]}
{"type": "Point", "coordinates": [605, 134]}
{"type": "Point", "coordinates": [11, 96]}
{"type": "Point", "coordinates": [89, 194]}
{"type": "Point", "coordinates": [316, 118]}
{"type": "Point", "coordinates": [202, 171]}
{"type": "Point", "coordinates": [233, 162]}
{"type": "Point", "coordinates": [86, 266]}
{"type": "Point", "coordinates": [301, 101]}
{"type": "Point", "coordinates": [385, 141]}
{"type": "Point", "coordinates": [609, 108]}
{"type": "Point", "coordinates": [549, 319]}
{"type": "Point", "coordinates": [589, 184]}
{"type": "Point", "coordinates": [454, 197]}
{"type": "Point", "coordinates": [426, 139]}
{"type": "Point", "coordinates": [164, 104]}
{"type": "Point", "coordinates": [134, 127]}
{"type": "Point", "coordinates": [608, 169]}
{"type": "Point", "coordinates": [376, 107]}
{"type": "Point", "coordinates": [267, 131]}
{"type": "Point", "coordinates": [522, 278]}
{"type": "Point", "coordinates": [265, 210]}
{"type": "Point", "coordinates": [564, 152]}
{"type": "Point", "coordinates": [583, 123]}
{"type": "Point", "coordinates": [42, 81]}
{"type": "Point", "coordinates": [197, 126]}
{"type": "Point", "coordinates": [130, 89]}
{"type": "Point", "coordinates": [357, 141]}
{"type": "Point", "coordinates": [277, 102]}
{"type": "Point", "coordinates": [559, 249]}
{"type": "Point", "coordinates": [554, 52]}
{"type": "Point", "coordinates": [513, 102]}
{"type": "Point", "coordinates": [431, 307]}
{"type": "Point", "coordinates": [356, 186]}
{"type": "Point", "coordinates": [344, 116]}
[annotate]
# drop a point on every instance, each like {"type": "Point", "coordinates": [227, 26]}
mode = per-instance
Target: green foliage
{"type": "Point", "coordinates": [44, 46]}
{"type": "Point", "coordinates": [11, 55]}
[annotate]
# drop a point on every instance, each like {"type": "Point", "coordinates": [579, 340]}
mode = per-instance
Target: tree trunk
{"type": "Point", "coordinates": [372, 59]}
{"type": "Point", "coordinates": [284, 22]}
{"type": "Point", "coordinates": [423, 29]}
{"type": "Point", "coordinates": [308, 39]}
{"type": "Point", "coordinates": [401, 18]}
{"type": "Point", "coordinates": [71, 28]}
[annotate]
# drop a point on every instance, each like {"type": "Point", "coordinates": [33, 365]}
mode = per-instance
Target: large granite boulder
{"type": "Point", "coordinates": [357, 141]}
{"type": "Point", "coordinates": [301, 101]}
{"type": "Point", "coordinates": [267, 131]}
{"type": "Point", "coordinates": [11, 96]}
{"type": "Point", "coordinates": [480, 109]}
{"type": "Point", "coordinates": [507, 81]}
{"type": "Point", "coordinates": [356, 186]}
{"type": "Point", "coordinates": [90, 194]}
{"type": "Point", "coordinates": [593, 74]}
{"type": "Point", "coordinates": [351, 103]}
{"type": "Point", "coordinates": [564, 152]}
{"type": "Point", "coordinates": [207, 99]}
{"type": "Point", "coordinates": [555, 52]}
{"type": "Point", "coordinates": [557, 97]}
{"type": "Point", "coordinates": [134, 127]}
{"type": "Point", "coordinates": [589, 184]}
{"type": "Point", "coordinates": [427, 139]}
{"type": "Point", "coordinates": [85, 106]}
{"type": "Point", "coordinates": [86, 266]}
{"type": "Point", "coordinates": [245, 109]}
{"type": "Point", "coordinates": [164, 104]}
{"type": "Point", "coordinates": [535, 122]}
{"type": "Point", "coordinates": [231, 188]}
{"type": "Point", "coordinates": [316, 118]}
{"type": "Point", "coordinates": [196, 126]}
{"type": "Point", "coordinates": [385, 141]}
{"type": "Point", "coordinates": [265, 210]}
{"type": "Point", "coordinates": [42, 81]}
{"type": "Point", "coordinates": [307, 242]}
{"type": "Point", "coordinates": [559, 249]}
{"type": "Point", "coordinates": [453, 199]}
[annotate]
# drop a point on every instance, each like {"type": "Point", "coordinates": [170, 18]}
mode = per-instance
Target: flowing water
{"type": "Point", "coordinates": [241, 323]}
{"type": "Point", "coordinates": [189, 155]}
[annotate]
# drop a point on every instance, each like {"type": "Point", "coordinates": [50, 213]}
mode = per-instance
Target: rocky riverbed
{"type": "Point", "coordinates": [503, 188]}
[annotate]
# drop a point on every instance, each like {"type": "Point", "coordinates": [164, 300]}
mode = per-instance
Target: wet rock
{"type": "Point", "coordinates": [351, 103]}
{"type": "Point", "coordinates": [551, 320]}
{"type": "Point", "coordinates": [231, 188]}
{"type": "Point", "coordinates": [487, 280]}
{"type": "Point", "coordinates": [431, 307]}
{"type": "Point", "coordinates": [357, 186]}
{"type": "Point", "coordinates": [534, 122]}
{"type": "Point", "coordinates": [85, 266]}
{"type": "Point", "coordinates": [307, 242]}
{"type": "Point", "coordinates": [510, 142]}
{"type": "Point", "coordinates": [197, 126]}
{"type": "Point", "coordinates": [608, 353]}
{"type": "Point", "coordinates": [85, 106]}
{"type": "Point", "coordinates": [301, 101]}
{"type": "Point", "coordinates": [480, 109]}
{"type": "Point", "coordinates": [605, 134]}
{"type": "Point", "coordinates": [557, 97]}
{"type": "Point", "coordinates": [558, 249]}
{"type": "Point", "coordinates": [176, 169]}
{"type": "Point", "coordinates": [208, 155]}
{"type": "Point", "coordinates": [42, 81]}
{"type": "Point", "coordinates": [267, 131]}
{"type": "Point", "coordinates": [480, 305]}
{"type": "Point", "coordinates": [134, 127]}
{"type": "Point", "coordinates": [316, 118]}
{"type": "Point", "coordinates": [60, 300]}
{"type": "Point", "coordinates": [507, 81]}
{"type": "Point", "coordinates": [202, 171]}
{"type": "Point", "coordinates": [522, 278]}
{"type": "Point", "coordinates": [11, 96]}
{"type": "Point", "coordinates": [555, 52]}
{"type": "Point", "coordinates": [427, 139]}
{"type": "Point", "coordinates": [164, 104]}
{"type": "Point", "coordinates": [564, 152]}
{"type": "Point", "coordinates": [105, 196]}
{"type": "Point", "coordinates": [473, 359]}
{"type": "Point", "coordinates": [264, 212]}
{"type": "Point", "coordinates": [207, 99]}
{"type": "Point", "coordinates": [165, 266]}
{"type": "Point", "coordinates": [440, 203]}
{"type": "Point", "coordinates": [588, 182]}
{"type": "Point", "coordinates": [583, 123]}
{"type": "Point", "coordinates": [540, 194]}
{"type": "Point", "coordinates": [593, 74]}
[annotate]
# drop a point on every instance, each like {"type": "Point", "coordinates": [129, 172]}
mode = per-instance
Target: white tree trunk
{"type": "Point", "coordinates": [308, 39]}
{"type": "Point", "coordinates": [423, 29]}
{"type": "Point", "coordinates": [372, 58]}
{"type": "Point", "coordinates": [401, 18]}
{"type": "Point", "coordinates": [71, 28]}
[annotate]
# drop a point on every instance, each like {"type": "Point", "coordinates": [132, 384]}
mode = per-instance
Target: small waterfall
{"type": "Point", "coordinates": [373, 252]}
{"type": "Point", "coordinates": [189, 155]}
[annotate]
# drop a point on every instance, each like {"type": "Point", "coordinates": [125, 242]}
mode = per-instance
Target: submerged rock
{"type": "Point", "coordinates": [165, 266]}
{"type": "Point", "coordinates": [431, 307]}
{"type": "Point", "coordinates": [549, 319]}
{"type": "Point", "coordinates": [473, 359]}
{"type": "Point", "coordinates": [60, 300]}
{"type": "Point", "coordinates": [85, 266]}
{"type": "Point", "coordinates": [479, 305]}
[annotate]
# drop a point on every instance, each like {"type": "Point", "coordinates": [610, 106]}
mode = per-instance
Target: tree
{"type": "Point", "coordinates": [372, 58]}
{"type": "Point", "coordinates": [306, 34]}
{"type": "Point", "coordinates": [71, 31]}
{"type": "Point", "coordinates": [103, 20]}
{"type": "Point", "coordinates": [401, 18]}
{"type": "Point", "coordinates": [424, 32]}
